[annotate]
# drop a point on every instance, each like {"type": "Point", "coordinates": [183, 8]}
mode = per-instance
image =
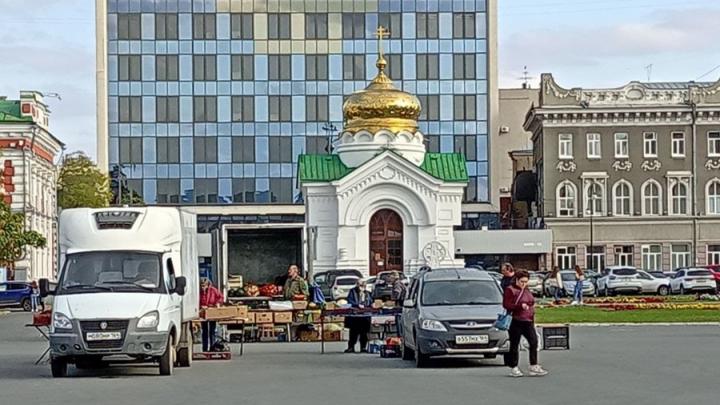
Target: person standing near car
{"type": "Point", "coordinates": [508, 272]}
{"type": "Point", "coordinates": [579, 281]}
{"type": "Point", "coordinates": [359, 324]}
{"type": "Point", "coordinates": [558, 289]}
{"type": "Point", "coordinates": [520, 303]}
{"type": "Point", "coordinates": [209, 297]}
{"type": "Point", "coordinates": [398, 288]}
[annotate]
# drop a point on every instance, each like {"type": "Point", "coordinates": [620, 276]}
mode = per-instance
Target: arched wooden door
{"type": "Point", "coordinates": [386, 242]}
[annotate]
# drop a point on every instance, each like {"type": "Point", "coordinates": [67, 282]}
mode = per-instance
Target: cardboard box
{"type": "Point", "coordinates": [263, 317]}
{"type": "Point", "coordinates": [300, 305]}
{"type": "Point", "coordinates": [332, 335]}
{"type": "Point", "coordinates": [250, 318]}
{"type": "Point", "coordinates": [283, 317]}
{"type": "Point", "coordinates": [242, 311]}
{"type": "Point", "coordinates": [221, 313]}
{"type": "Point", "coordinates": [309, 336]}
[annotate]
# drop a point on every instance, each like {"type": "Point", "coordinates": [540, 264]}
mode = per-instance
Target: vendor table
{"type": "Point", "coordinates": [381, 314]}
{"type": "Point", "coordinates": [43, 330]}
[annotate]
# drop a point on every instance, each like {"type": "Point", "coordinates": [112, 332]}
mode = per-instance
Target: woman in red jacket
{"type": "Point", "coordinates": [209, 297]}
{"type": "Point", "coordinates": [520, 303]}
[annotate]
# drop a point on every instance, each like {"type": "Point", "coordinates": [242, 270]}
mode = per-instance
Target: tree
{"type": "Point", "coordinates": [127, 196]}
{"type": "Point", "coordinates": [82, 184]}
{"type": "Point", "coordinates": [14, 238]}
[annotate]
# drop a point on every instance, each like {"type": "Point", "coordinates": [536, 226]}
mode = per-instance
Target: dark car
{"type": "Point", "coordinates": [326, 279]}
{"type": "Point", "coordinates": [16, 294]}
{"type": "Point", "coordinates": [383, 289]}
{"type": "Point", "coordinates": [451, 313]}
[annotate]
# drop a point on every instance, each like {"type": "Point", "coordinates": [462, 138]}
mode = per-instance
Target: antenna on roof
{"type": "Point", "coordinates": [648, 71]}
{"type": "Point", "coordinates": [525, 78]}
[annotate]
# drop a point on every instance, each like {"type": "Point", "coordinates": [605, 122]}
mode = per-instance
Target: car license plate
{"type": "Point", "coordinates": [471, 339]}
{"type": "Point", "coordinates": [94, 336]}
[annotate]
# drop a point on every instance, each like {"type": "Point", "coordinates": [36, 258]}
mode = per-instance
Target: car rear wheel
{"type": "Point", "coordinates": [682, 289]}
{"type": "Point", "coordinates": [663, 290]}
{"type": "Point", "coordinates": [26, 305]}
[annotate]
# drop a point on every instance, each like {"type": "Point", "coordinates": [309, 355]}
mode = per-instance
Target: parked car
{"type": "Point", "coordinates": [652, 284]}
{"type": "Point", "coordinates": [535, 285]}
{"type": "Point", "coordinates": [715, 269]}
{"type": "Point", "coordinates": [370, 284]}
{"type": "Point", "coordinates": [617, 279]}
{"type": "Point", "coordinates": [659, 274]}
{"type": "Point", "coordinates": [450, 313]}
{"type": "Point", "coordinates": [569, 281]}
{"type": "Point", "coordinates": [693, 280]}
{"type": "Point", "coordinates": [592, 276]}
{"type": "Point", "coordinates": [342, 286]}
{"type": "Point", "coordinates": [326, 279]}
{"type": "Point", "coordinates": [383, 290]}
{"type": "Point", "coordinates": [16, 294]}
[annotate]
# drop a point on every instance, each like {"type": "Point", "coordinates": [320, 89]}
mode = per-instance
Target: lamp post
{"type": "Point", "coordinates": [591, 213]}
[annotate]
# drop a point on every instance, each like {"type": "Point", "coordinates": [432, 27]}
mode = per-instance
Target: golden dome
{"type": "Point", "coordinates": [381, 106]}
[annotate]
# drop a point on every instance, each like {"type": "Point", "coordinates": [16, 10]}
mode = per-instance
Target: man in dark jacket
{"type": "Point", "coordinates": [359, 324]}
{"type": "Point", "coordinates": [508, 273]}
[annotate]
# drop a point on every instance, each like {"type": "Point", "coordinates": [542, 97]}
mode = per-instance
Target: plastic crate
{"type": "Point", "coordinates": [556, 337]}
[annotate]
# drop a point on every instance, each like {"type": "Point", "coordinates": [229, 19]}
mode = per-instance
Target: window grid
{"type": "Point", "coordinates": [427, 66]}
{"type": "Point", "coordinates": [463, 25]}
{"type": "Point", "coordinates": [464, 66]}
{"type": "Point", "coordinates": [353, 25]}
{"type": "Point", "coordinates": [279, 67]}
{"type": "Point", "coordinates": [427, 25]}
{"type": "Point", "coordinates": [280, 108]}
{"type": "Point", "coordinates": [621, 146]}
{"type": "Point", "coordinates": [166, 26]}
{"type": "Point", "coordinates": [130, 109]}
{"type": "Point", "coordinates": [279, 26]}
{"type": "Point", "coordinates": [316, 108]}
{"type": "Point", "coordinates": [392, 22]}
{"type": "Point", "coordinates": [565, 146]}
{"type": "Point", "coordinates": [204, 67]}
{"type": "Point", "coordinates": [354, 67]}
{"type": "Point", "coordinates": [167, 109]}
{"type": "Point", "coordinates": [205, 108]}
{"type": "Point", "coordinates": [166, 68]}
{"type": "Point", "coordinates": [243, 67]}
{"type": "Point", "coordinates": [316, 26]}
{"type": "Point", "coordinates": [464, 108]}
{"type": "Point", "coordinates": [713, 144]}
{"type": "Point", "coordinates": [593, 146]}
{"type": "Point", "coordinates": [243, 108]}
{"type": "Point", "coordinates": [650, 146]}
{"type": "Point", "coordinates": [203, 25]}
{"type": "Point", "coordinates": [129, 68]}
{"type": "Point", "coordinates": [678, 144]}
{"type": "Point", "coordinates": [241, 26]}
{"type": "Point", "coordinates": [129, 26]}
{"type": "Point", "coordinates": [316, 67]}
{"type": "Point", "coordinates": [651, 257]}
{"type": "Point", "coordinates": [566, 257]}
{"type": "Point", "coordinates": [205, 149]}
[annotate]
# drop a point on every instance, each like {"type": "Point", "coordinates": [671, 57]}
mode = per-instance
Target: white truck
{"type": "Point", "coordinates": [127, 288]}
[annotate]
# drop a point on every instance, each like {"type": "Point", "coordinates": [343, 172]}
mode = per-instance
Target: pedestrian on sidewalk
{"type": "Point", "coordinates": [209, 297]}
{"type": "Point", "coordinates": [558, 289]}
{"type": "Point", "coordinates": [520, 303]}
{"type": "Point", "coordinates": [579, 281]}
{"type": "Point", "coordinates": [359, 324]}
{"type": "Point", "coordinates": [508, 272]}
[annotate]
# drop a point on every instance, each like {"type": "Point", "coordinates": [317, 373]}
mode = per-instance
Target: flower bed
{"type": "Point", "coordinates": [639, 306]}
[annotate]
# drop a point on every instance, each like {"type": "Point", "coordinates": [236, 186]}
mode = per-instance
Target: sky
{"type": "Point", "coordinates": [49, 45]}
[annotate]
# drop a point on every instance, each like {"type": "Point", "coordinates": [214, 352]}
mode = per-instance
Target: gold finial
{"type": "Point", "coordinates": [381, 33]}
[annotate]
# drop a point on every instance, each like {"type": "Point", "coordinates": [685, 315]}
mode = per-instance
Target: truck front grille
{"type": "Point", "coordinates": [111, 326]}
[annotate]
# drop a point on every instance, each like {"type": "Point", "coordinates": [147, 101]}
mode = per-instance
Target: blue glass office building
{"type": "Point", "coordinates": [212, 101]}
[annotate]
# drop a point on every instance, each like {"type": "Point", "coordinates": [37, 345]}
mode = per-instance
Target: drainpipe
{"type": "Point", "coordinates": [693, 106]}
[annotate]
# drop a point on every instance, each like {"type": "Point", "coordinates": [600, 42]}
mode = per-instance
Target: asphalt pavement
{"type": "Point", "coordinates": [606, 365]}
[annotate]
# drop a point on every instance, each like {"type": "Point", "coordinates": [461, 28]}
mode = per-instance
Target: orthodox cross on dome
{"type": "Point", "coordinates": [381, 33]}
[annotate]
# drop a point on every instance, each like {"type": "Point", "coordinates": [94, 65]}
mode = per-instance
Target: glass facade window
{"type": "Point", "coordinates": [205, 149]}
{"type": "Point", "coordinates": [428, 66]}
{"type": "Point", "coordinates": [241, 25]}
{"type": "Point", "coordinates": [316, 26]}
{"type": "Point", "coordinates": [353, 25]}
{"type": "Point", "coordinates": [471, 189]}
{"type": "Point", "coordinates": [426, 25]}
{"type": "Point", "coordinates": [464, 66]}
{"type": "Point", "coordinates": [279, 67]}
{"type": "Point", "coordinates": [279, 26]}
{"type": "Point", "coordinates": [243, 150]}
{"type": "Point", "coordinates": [167, 109]}
{"type": "Point", "coordinates": [316, 67]}
{"type": "Point", "coordinates": [316, 108]}
{"type": "Point", "coordinates": [166, 68]}
{"type": "Point", "coordinates": [280, 108]}
{"type": "Point", "coordinates": [206, 191]}
{"type": "Point", "coordinates": [245, 90]}
{"type": "Point", "coordinates": [205, 109]}
{"type": "Point", "coordinates": [203, 25]}
{"type": "Point", "coordinates": [392, 22]}
{"type": "Point", "coordinates": [243, 108]}
{"type": "Point", "coordinates": [243, 67]}
{"type": "Point", "coordinates": [129, 68]}
{"type": "Point", "coordinates": [129, 26]}
{"type": "Point", "coordinates": [204, 67]}
{"type": "Point", "coordinates": [280, 149]}
{"type": "Point", "coordinates": [168, 150]}
{"type": "Point", "coordinates": [166, 26]}
{"type": "Point", "coordinates": [130, 109]}
{"type": "Point", "coordinates": [430, 108]}
{"type": "Point", "coordinates": [130, 150]}
{"type": "Point", "coordinates": [354, 67]}
{"type": "Point", "coordinates": [463, 25]}
{"type": "Point", "coordinates": [464, 108]}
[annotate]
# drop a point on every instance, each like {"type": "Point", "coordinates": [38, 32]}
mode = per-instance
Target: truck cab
{"type": "Point", "coordinates": [127, 288]}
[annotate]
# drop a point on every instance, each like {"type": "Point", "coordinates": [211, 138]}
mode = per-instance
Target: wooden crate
{"type": "Point", "coordinates": [221, 313]}
{"type": "Point", "coordinates": [263, 317]}
{"type": "Point", "coordinates": [283, 317]}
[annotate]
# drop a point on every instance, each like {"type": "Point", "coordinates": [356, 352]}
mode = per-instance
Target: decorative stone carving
{"type": "Point", "coordinates": [387, 173]}
{"type": "Point", "coordinates": [434, 253]}
{"type": "Point", "coordinates": [651, 165]}
{"type": "Point", "coordinates": [566, 166]}
{"type": "Point", "coordinates": [622, 165]}
{"type": "Point", "coordinates": [712, 164]}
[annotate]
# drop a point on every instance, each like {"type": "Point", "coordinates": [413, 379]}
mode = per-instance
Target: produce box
{"type": "Point", "coordinates": [221, 313]}
{"type": "Point", "coordinates": [242, 311]}
{"type": "Point", "coordinates": [250, 318]}
{"type": "Point", "coordinates": [300, 305]}
{"type": "Point", "coordinates": [330, 305]}
{"type": "Point", "coordinates": [283, 317]}
{"type": "Point", "coordinates": [309, 336]}
{"type": "Point", "coordinates": [263, 317]}
{"type": "Point", "coordinates": [332, 335]}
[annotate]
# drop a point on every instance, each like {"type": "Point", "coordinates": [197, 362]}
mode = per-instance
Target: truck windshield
{"type": "Point", "coordinates": [461, 292]}
{"type": "Point", "coordinates": [112, 271]}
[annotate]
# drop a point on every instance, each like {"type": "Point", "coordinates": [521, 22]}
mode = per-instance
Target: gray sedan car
{"type": "Point", "coordinates": [450, 313]}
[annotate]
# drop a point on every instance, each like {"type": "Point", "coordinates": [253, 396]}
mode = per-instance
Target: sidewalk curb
{"type": "Point", "coordinates": [599, 325]}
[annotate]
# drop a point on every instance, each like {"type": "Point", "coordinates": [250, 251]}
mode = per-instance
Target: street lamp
{"type": "Point", "coordinates": [591, 213]}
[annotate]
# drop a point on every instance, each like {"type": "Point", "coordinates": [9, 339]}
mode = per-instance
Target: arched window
{"type": "Point", "coordinates": [595, 197]}
{"type": "Point", "coordinates": [566, 199]}
{"type": "Point", "coordinates": [679, 198]}
{"type": "Point", "coordinates": [712, 197]}
{"type": "Point", "coordinates": [651, 200]}
{"type": "Point", "coordinates": [622, 198]}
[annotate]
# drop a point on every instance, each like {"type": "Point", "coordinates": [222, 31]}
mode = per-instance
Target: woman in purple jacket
{"type": "Point", "coordinates": [520, 303]}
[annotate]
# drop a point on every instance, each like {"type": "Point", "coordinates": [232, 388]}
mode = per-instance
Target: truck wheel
{"type": "Point", "coordinates": [26, 305]}
{"type": "Point", "coordinates": [167, 360]}
{"type": "Point", "coordinates": [185, 354]}
{"type": "Point", "coordinates": [58, 366]}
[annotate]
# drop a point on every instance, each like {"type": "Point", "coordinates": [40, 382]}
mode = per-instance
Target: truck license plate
{"type": "Point", "coordinates": [471, 339]}
{"type": "Point", "coordinates": [94, 336]}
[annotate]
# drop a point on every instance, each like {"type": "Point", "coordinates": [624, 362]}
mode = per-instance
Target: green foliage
{"type": "Point", "coordinates": [14, 237]}
{"type": "Point", "coordinates": [128, 196]}
{"type": "Point", "coordinates": [82, 184]}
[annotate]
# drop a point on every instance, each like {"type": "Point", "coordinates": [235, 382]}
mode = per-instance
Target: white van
{"type": "Point", "coordinates": [127, 288]}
